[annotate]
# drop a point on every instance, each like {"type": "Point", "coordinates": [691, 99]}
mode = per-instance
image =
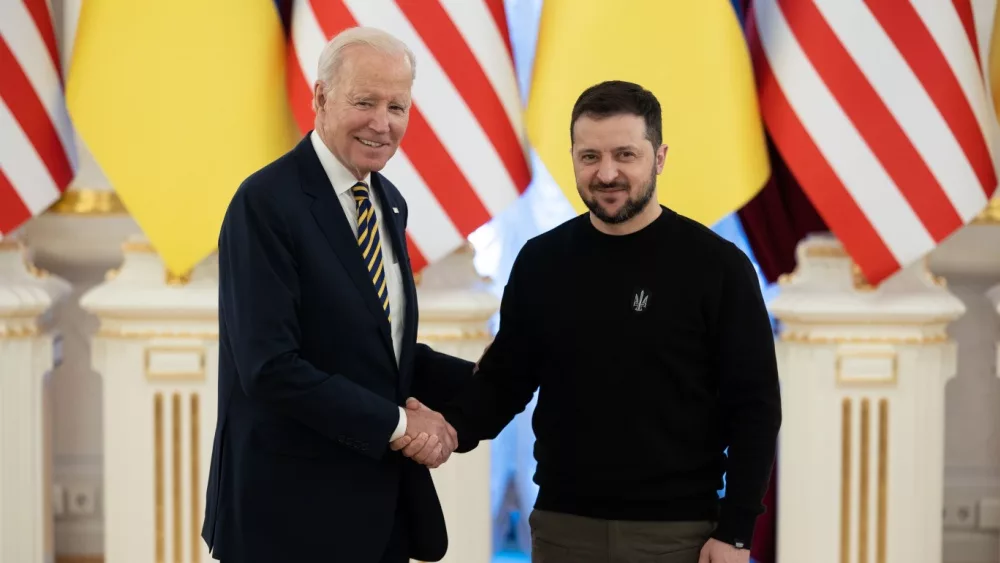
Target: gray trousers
{"type": "Point", "coordinates": [565, 538]}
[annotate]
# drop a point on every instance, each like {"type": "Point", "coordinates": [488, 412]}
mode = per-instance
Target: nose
{"type": "Point", "coordinates": [380, 120]}
{"type": "Point", "coordinates": [607, 172]}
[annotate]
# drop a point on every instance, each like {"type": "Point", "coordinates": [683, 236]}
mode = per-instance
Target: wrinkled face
{"type": "Point", "coordinates": [615, 166]}
{"type": "Point", "coordinates": [364, 114]}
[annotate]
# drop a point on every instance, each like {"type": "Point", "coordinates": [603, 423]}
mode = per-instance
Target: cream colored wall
{"type": "Point", "coordinates": [970, 261]}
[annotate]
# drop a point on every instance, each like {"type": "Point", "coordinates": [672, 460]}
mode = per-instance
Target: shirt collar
{"type": "Point", "coordinates": [341, 178]}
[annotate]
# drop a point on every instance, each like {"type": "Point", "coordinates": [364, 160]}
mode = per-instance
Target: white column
{"type": "Point", "coordinates": [455, 309]}
{"type": "Point", "coordinates": [863, 373]}
{"type": "Point", "coordinates": [156, 351]}
{"type": "Point", "coordinates": [27, 357]}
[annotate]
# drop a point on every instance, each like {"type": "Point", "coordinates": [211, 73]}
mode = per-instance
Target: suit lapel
{"type": "Point", "coordinates": [329, 215]}
{"type": "Point", "coordinates": [394, 223]}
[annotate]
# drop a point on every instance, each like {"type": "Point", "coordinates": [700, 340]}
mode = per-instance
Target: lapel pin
{"type": "Point", "coordinates": [395, 210]}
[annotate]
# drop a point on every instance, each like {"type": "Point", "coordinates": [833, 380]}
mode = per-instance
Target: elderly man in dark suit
{"type": "Point", "coordinates": [317, 341]}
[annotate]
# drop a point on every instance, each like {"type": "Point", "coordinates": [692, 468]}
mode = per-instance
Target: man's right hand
{"type": "Point", "coordinates": [429, 439]}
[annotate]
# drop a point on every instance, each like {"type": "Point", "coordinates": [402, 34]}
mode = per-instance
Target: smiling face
{"type": "Point", "coordinates": [364, 114]}
{"type": "Point", "coordinates": [616, 167]}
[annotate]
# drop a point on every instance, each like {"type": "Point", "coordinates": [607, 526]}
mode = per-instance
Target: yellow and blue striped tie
{"type": "Point", "coordinates": [371, 244]}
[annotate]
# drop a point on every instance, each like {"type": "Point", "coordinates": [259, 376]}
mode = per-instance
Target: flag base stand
{"type": "Point", "coordinates": [863, 373]}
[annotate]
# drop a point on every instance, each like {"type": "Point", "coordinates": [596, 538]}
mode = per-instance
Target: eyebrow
{"type": "Point", "coordinates": [632, 148]}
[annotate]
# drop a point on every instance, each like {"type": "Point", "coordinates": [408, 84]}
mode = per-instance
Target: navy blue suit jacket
{"type": "Point", "coordinates": [309, 387]}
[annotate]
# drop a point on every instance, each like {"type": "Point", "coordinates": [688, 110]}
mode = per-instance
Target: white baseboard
{"type": "Point", "coordinates": [965, 539]}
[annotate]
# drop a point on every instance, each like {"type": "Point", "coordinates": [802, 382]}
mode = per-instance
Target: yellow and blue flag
{"type": "Point", "coordinates": [179, 101]}
{"type": "Point", "coordinates": [693, 56]}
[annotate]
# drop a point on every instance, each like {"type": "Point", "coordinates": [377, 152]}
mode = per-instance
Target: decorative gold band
{"type": "Point", "coordinates": [990, 215]}
{"type": "Point", "coordinates": [89, 202]}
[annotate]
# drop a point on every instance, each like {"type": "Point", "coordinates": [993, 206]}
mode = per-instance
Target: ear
{"type": "Point", "coordinates": [319, 95]}
{"type": "Point", "coordinates": [661, 157]}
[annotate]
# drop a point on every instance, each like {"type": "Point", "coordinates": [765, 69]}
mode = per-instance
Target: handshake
{"type": "Point", "coordinates": [429, 439]}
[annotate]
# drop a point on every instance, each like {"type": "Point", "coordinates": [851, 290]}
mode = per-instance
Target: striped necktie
{"type": "Point", "coordinates": [371, 244]}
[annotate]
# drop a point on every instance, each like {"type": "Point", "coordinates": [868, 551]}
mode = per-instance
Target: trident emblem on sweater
{"type": "Point", "coordinates": [639, 302]}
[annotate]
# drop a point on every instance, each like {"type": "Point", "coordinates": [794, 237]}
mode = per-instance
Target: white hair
{"type": "Point", "coordinates": [332, 57]}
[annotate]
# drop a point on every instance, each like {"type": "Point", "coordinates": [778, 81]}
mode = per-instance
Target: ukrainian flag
{"type": "Point", "coordinates": [180, 100]}
{"type": "Point", "coordinates": [692, 55]}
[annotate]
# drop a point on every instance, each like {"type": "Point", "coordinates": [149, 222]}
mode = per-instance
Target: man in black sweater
{"type": "Point", "coordinates": [648, 341]}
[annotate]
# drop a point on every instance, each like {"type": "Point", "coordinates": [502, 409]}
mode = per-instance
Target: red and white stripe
{"type": "Point", "coordinates": [463, 158]}
{"type": "Point", "coordinates": [881, 112]}
{"type": "Point", "coordinates": [37, 152]}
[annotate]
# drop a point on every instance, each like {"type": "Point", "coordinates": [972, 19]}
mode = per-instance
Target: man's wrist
{"type": "Point", "coordinates": [736, 527]}
{"type": "Point", "coordinates": [400, 426]}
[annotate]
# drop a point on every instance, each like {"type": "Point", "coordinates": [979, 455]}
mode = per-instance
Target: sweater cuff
{"type": "Point", "coordinates": [736, 526]}
{"type": "Point", "coordinates": [466, 441]}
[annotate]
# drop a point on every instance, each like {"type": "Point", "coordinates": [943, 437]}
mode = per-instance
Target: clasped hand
{"type": "Point", "coordinates": [429, 439]}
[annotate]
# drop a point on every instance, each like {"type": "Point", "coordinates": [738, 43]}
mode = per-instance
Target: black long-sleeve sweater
{"type": "Point", "coordinates": [652, 354]}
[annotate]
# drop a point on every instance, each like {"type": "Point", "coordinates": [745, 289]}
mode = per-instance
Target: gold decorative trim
{"type": "Point", "coordinates": [176, 480]}
{"type": "Point", "coordinates": [810, 339]}
{"type": "Point", "coordinates": [845, 481]}
{"type": "Point", "coordinates": [874, 381]}
{"type": "Point", "coordinates": [198, 375]}
{"type": "Point", "coordinates": [882, 517]}
{"type": "Point", "coordinates": [89, 202]}
{"type": "Point", "coordinates": [29, 331]}
{"type": "Point", "coordinates": [138, 247]}
{"type": "Point", "coordinates": [160, 547]}
{"type": "Point", "coordinates": [863, 486]}
{"type": "Point", "coordinates": [990, 215]}
{"type": "Point", "coordinates": [35, 271]}
{"type": "Point", "coordinates": [860, 281]}
{"type": "Point", "coordinates": [209, 315]}
{"type": "Point", "coordinates": [11, 244]}
{"type": "Point", "coordinates": [195, 482]}
{"type": "Point", "coordinates": [79, 559]}
{"type": "Point", "coordinates": [826, 252]}
{"type": "Point", "coordinates": [941, 320]}
{"type": "Point", "coordinates": [787, 279]}
{"type": "Point", "coordinates": [453, 336]}
{"type": "Point", "coordinates": [140, 334]}
{"type": "Point", "coordinates": [177, 280]}
{"type": "Point", "coordinates": [930, 276]}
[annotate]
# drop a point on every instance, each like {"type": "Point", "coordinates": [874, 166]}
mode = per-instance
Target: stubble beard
{"type": "Point", "coordinates": [632, 207]}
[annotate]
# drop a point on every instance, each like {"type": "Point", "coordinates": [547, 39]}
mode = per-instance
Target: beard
{"type": "Point", "coordinates": [629, 209]}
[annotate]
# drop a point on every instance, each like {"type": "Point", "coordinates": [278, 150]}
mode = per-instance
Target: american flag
{"type": "Point", "coordinates": [462, 160]}
{"type": "Point", "coordinates": [881, 111]}
{"type": "Point", "coordinates": [37, 151]}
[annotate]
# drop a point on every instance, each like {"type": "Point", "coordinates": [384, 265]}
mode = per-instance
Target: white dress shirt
{"type": "Point", "coordinates": [343, 180]}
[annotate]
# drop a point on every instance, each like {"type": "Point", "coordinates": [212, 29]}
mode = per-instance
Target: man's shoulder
{"type": "Point", "coordinates": [703, 240]}
{"type": "Point", "coordinates": [558, 236]}
{"type": "Point", "coordinates": [545, 249]}
{"type": "Point", "coordinates": [270, 184]}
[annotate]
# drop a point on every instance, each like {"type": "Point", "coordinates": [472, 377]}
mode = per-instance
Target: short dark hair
{"type": "Point", "coordinates": [617, 97]}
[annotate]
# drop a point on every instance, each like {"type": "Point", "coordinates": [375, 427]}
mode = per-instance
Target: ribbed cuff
{"type": "Point", "coordinates": [736, 526]}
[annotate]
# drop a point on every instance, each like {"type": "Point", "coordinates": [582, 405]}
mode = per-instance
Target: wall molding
{"type": "Point", "coordinates": [967, 542]}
